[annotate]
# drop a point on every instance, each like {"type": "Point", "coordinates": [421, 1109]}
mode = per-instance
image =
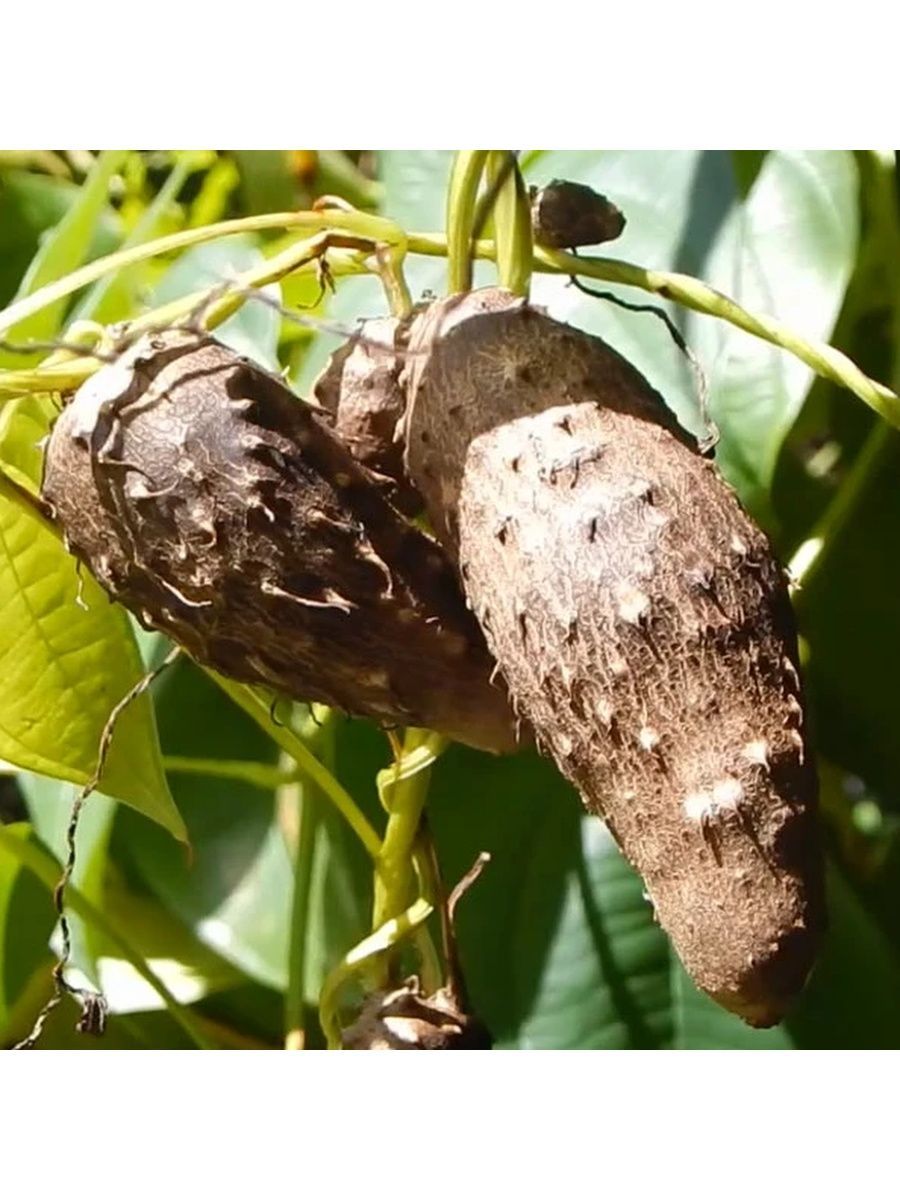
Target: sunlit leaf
{"type": "Point", "coordinates": [66, 659]}
{"type": "Point", "coordinates": [788, 250]}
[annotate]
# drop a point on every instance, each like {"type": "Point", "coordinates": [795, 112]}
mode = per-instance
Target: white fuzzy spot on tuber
{"type": "Point", "coordinates": [404, 1029]}
{"type": "Point", "coordinates": [756, 752]}
{"type": "Point", "coordinates": [605, 712]}
{"type": "Point", "coordinates": [725, 796]}
{"type": "Point", "coordinates": [633, 604]}
{"type": "Point", "coordinates": [648, 738]}
{"type": "Point", "coordinates": [727, 793]}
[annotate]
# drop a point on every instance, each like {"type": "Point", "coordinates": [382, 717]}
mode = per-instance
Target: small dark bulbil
{"type": "Point", "coordinates": [218, 507]}
{"type": "Point", "coordinates": [565, 215]}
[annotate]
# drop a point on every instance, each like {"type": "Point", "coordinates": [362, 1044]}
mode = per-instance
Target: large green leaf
{"type": "Point", "coordinates": [849, 617]}
{"type": "Point", "coordinates": [24, 424]}
{"type": "Point", "coordinates": [558, 945]}
{"type": "Point", "coordinates": [66, 659]}
{"type": "Point", "coordinates": [236, 892]}
{"type": "Point", "coordinates": [789, 251]}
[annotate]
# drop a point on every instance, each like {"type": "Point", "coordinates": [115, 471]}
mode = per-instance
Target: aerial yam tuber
{"type": "Point", "coordinates": [221, 509]}
{"type": "Point", "coordinates": [641, 622]}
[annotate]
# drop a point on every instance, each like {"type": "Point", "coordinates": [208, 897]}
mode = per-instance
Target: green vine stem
{"type": "Point", "coordinates": [809, 558]}
{"type": "Point", "coordinates": [462, 195]}
{"type": "Point", "coordinates": [362, 225]}
{"type": "Point", "coordinates": [694, 294]}
{"type": "Point", "coordinates": [256, 708]}
{"type": "Point", "coordinates": [512, 222]}
{"type": "Point", "coordinates": [385, 938]}
{"type": "Point", "coordinates": [216, 304]}
{"type": "Point", "coordinates": [261, 775]}
{"type": "Point", "coordinates": [46, 868]}
{"type": "Point", "coordinates": [402, 789]}
{"type": "Point", "coordinates": [304, 802]}
{"type": "Point", "coordinates": [825, 360]}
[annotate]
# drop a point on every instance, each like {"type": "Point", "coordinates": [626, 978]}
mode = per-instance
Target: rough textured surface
{"type": "Point", "coordinates": [361, 388]}
{"type": "Point", "coordinates": [404, 1019]}
{"type": "Point", "coordinates": [218, 507]}
{"type": "Point", "coordinates": [641, 622]}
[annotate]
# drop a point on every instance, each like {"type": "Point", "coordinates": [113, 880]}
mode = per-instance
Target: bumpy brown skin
{"type": "Point", "coordinates": [219, 508]}
{"type": "Point", "coordinates": [641, 622]}
{"type": "Point", "coordinates": [361, 388]}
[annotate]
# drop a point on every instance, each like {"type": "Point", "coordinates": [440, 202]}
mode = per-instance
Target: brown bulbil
{"type": "Point", "coordinates": [566, 214]}
{"type": "Point", "coordinates": [219, 508]}
{"type": "Point", "coordinates": [641, 622]}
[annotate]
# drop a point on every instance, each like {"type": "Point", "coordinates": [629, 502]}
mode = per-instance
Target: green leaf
{"type": "Point", "coordinates": [64, 665]}
{"type": "Point", "coordinates": [558, 946]}
{"type": "Point", "coordinates": [36, 859]}
{"type": "Point", "coordinates": [24, 423]}
{"type": "Point", "coordinates": [188, 968]}
{"type": "Point", "coordinates": [850, 622]}
{"type": "Point", "coordinates": [27, 918]}
{"type": "Point", "coordinates": [747, 165]}
{"type": "Point", "coordinates": [112, 298]}
{"type": "Point", "coordinates": [61, 252]}
{"type": "Point", "coordinates": [49, 804]}
{"type": "Point", "coordinates": [851, 1000]}
{"type": "Point", "coordinates": [266, 181]}
{"type": "Point", "coordinates": [235, 893]}
{"type": "Point", "coordinates": [243, 912]}
{"type": "Point", "coordinates": [789, 251]}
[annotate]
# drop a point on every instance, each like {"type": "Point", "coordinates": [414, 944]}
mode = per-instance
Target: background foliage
{"type": "Point", "coordinates": [559, 946]}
